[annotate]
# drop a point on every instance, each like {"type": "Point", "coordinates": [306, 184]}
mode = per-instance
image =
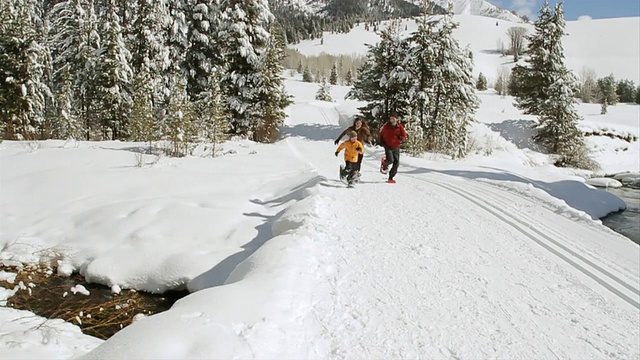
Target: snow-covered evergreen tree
{"type": "Point", "coordinates": [606, 92]}
{"type": "Point", "coordinates": [306, 75]}
{"type": "Point", "coordinates": [482, 82]}
{"type": "Point", "coordinates": [244, 38]}
{"type": "Point", "coordinates": [348, 78]}
{"type": "Point", "coordinates": [114, 76]}
{"type": "Point", "coordinates": [149, 46]}
{"type": "Point", "coordinates": [177, 39]}
{"type": "Point", "coordinates": [178, 124]}
{"type": "Point", "coordinates": [273, 96]}
{"type": "Point", "coordinates": [558, 119]}
{"type": "Point", "coordinates": [143, 124]}
{"type": "Point", "coordinates": [333, 77]}
{"type": "Point", "coordinates": [324, 92]}
{"type": "Point", "coordinates": [23, 60]}
{"type": "Point", "coordinates": [214, 122]}
{"type": "Point", "coordinates": [203, 56]}
{"type": "Point", "coordinates": [443, 90]}
{"type": "Point", "coordinates": [383, 79]}
{"type": "Point", "coordinates": [67, 123]}
{"type": "Point", "coordinates": [545, 59]}
{"type": "Point", "coordinates": [76, 40]}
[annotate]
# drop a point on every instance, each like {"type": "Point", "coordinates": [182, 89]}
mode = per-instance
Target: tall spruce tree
{"type": "Point", "coordinates": [177, 41]}
{"type": "Point", "coordinates": [545, 55]}
{"type": "Point", "coordinates": [76, 40]}
{"type": "Point", "coordinates": [203, 54]}
{"type": "Point", "coordinates": [24, 90]}
{"type": "Point", "coordinates": [244, 38]}
{"type": "Point", "coordinates": [558, 120]}
{"type": "Point", "coordinates": [383, 79]}
{"type": "Point", "coordinates": [273, 97]}
{"type": "Point", "coordinates": [149, 47]}
{"type": "Point", "coordinates": [444, 87]}
{"type": "Point", "coordinates": [333, 77]}
{"type": "Point", "coordinates": [114, 76]}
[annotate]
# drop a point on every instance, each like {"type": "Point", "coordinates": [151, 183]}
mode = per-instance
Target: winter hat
{"type": "Point", "coordinates": [352, 134]}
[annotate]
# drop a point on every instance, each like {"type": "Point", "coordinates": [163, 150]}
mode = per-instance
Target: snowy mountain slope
{"type": "Point", "coordinates": [466, 7]}
{"type": "Point", "coordinates": [477, 7]}
{"type": "Point", "coordinates": [594, 44]}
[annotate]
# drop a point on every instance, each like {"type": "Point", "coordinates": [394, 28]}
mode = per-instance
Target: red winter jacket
{"type": "Point", "coordinates": [391, 136]}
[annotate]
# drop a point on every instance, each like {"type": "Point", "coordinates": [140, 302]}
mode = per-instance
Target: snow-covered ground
{"type": "Point", "coordinates": [497, 255]}
{"type": "Point", "coordinates": [608, 46]}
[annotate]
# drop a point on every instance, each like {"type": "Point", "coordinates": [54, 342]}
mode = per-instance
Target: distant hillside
{"type": "Point", "coordinates": [478, 7]}
{"type": "Point", "coordinates": [307, 19]}
{"type": "Point", "coordinates": [594, 44]}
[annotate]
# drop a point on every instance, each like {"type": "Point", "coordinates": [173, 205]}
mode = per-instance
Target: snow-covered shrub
{"type": "Point", "coordinates": [580, 158]}
{"type": "Point", "coordinates": [324, 92]}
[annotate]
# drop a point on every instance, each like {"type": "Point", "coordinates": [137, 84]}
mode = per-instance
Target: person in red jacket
{"type": "Point", "coordinates": [392, 136]}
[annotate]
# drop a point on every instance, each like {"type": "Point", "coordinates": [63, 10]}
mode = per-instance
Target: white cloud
{"type": "Point", "coordinates": [524, 7]}
{"type": "Point", "coordinates": [584, 18]}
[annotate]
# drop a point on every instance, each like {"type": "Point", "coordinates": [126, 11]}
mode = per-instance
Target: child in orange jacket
{"type": "Point", "coordinates": [352, 148]}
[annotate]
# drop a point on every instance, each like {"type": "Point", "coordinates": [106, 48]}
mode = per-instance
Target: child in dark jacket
{"type": "Point", "coordinates": [352, 149]}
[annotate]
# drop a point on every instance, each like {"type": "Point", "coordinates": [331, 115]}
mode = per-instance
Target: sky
{"type": "Point", "coordinates": [575, 9]}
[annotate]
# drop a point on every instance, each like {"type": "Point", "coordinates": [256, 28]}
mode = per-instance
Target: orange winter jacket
{"type": "Point", "coordinates": [351, 150]}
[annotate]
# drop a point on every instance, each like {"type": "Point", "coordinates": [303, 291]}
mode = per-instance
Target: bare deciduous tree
{"type": "Point", "coordinates": [588, 85]}
{"type": "Point", "coordinates": [516, 36]}
{"type": "Point", "coordinates": [502, 81]}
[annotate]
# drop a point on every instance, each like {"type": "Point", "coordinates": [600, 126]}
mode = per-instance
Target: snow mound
{"type": "Point", "coordinates": [604, 182]}
{"type": "Point", "coordinates": [27, 336]}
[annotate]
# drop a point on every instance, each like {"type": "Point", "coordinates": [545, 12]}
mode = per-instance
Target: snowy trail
{"type": "Point", "coordinates": [419, 273]}
{"type": "Point", "coordinates": [534, 230]}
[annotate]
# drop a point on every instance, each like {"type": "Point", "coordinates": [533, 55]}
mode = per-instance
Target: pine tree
{"type": "Point", "coordinates": [273, 97]}
{"type": "Point", "coordinates": [626, 91]}
{"type": "Point", "coordinates": [76, 39]}
{"type": "Point", "coordinates": [545, 55]}
{"type": "Point", "coordinates": [482, 82]}
{"type": "Point", "coordinates": [606, 92]}
{"type": "Point", "coordinates": [177, 42]}
{"type": "Point", "coordinates": [245, 39]}
{"type": "Point", "coordinates": [300, 67]}
{"type": "Point", "coordinates": [213, 121]}
{"type": "Point", "coordinates": [24, 90]}
{"type": "Point", "coordinates": [324, 92]}
{"type": "Point", "coordinates": [143, 126]}
{"type": "Point", "coordinates": [178, 124]}
{"type": "Point", "coordinates": [333, 78]}
{"type": "Point", "coordinates": [383, 79]}
{"type": "Point", "coordinates": [149, 50]}
{"type": "Point", "coordinates": [203, 55]}
{"type": "Point", "coordinates": [443, 89]}
{"type": "Point", "coordinates": [68, 125]}
{"type": "Point", "coordinates": [306, 75]}
{"type": "Point", "coordinates": [638, 95]}
{"type": "Point", "coordinates": [114, 76]}
{"type": "Point", "coordinates": [348, 78]}
{"type": "Point", "coordinates": [558, 120]}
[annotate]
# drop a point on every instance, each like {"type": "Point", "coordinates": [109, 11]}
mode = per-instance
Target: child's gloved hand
{"type": "Point", "coordinates": [336, 153]}
{"type": "Point", "coordinates": [336, 142]}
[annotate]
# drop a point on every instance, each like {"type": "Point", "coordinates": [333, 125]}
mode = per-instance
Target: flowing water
{"type": "Point", "coordinates": [626, 222]}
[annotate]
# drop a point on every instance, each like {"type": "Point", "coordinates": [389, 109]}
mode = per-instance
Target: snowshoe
{"type": "Point", "coordinates": [343, 173]}
{"type": "Point", "coordinates": [384, 167]}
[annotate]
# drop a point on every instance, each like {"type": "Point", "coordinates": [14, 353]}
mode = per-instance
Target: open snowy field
{"type": "Point", "coordinates": [608, 46]}
{"type": "Point", "coordinates": [496, 255]}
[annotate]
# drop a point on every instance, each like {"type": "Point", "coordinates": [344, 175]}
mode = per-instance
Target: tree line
{"type": "Point", "coordinates": [181, 70]}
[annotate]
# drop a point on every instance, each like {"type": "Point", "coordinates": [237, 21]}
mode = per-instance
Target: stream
{"type": "Point", "coordinates": [626, 222]}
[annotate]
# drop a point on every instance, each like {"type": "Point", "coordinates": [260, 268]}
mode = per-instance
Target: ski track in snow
{"type": "Point", "coordinates": [426, 290]}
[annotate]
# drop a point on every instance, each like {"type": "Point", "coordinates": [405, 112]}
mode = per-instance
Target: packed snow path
{"type": "Point", "coordinates": [439, 266]}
